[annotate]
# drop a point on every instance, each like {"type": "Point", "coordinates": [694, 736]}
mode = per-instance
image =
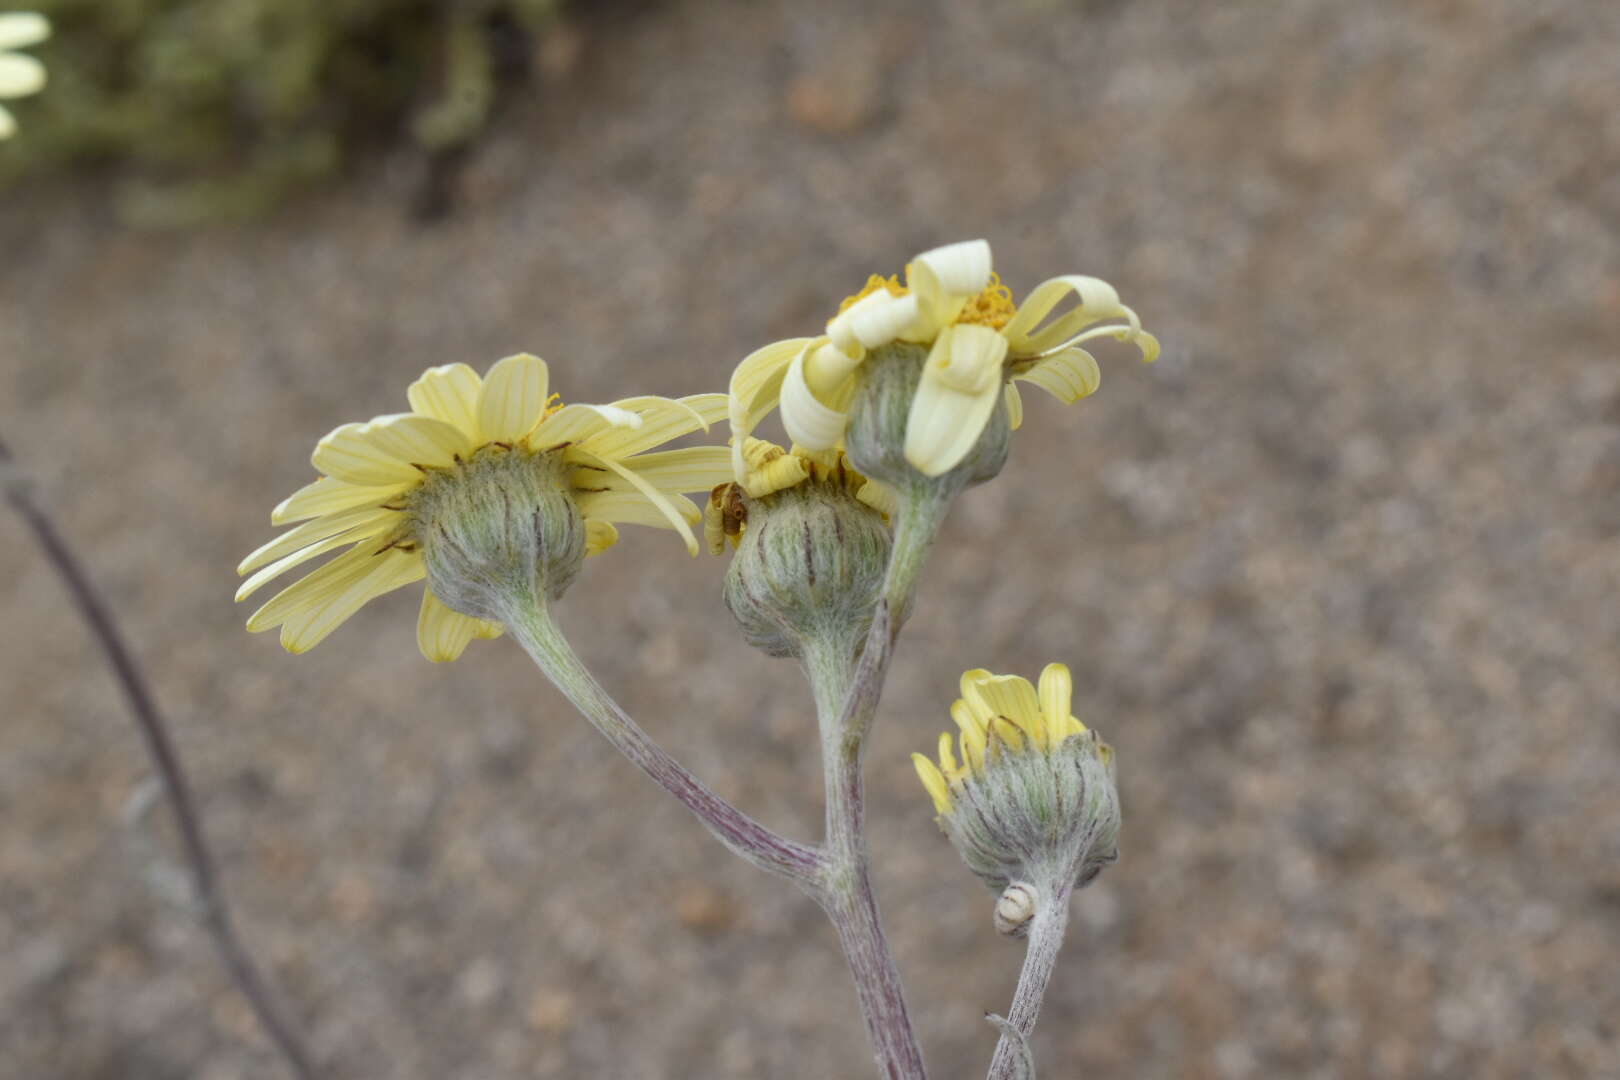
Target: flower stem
{"type": "Point", "coordinates": [1046, 932]}
{"type": "Point", "coordinates": [841, 692]}
{"type": "Point", "coordinates": [922, 511]}
{"type": "Point", "coordinates": [531, 625]}
{"type": "Point", "coordinates": [214, 910]}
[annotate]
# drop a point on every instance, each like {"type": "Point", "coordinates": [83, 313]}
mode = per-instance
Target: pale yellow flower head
{"type": "Point", "coordinates": [19, 75]}
{"type": "Point", "coordinates": [373, 472]}
{"type": "Point", "coordinates": [997, 714]}
{"type": "Point", "coordinates": [979, 339]}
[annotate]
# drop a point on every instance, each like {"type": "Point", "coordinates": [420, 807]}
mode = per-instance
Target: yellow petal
{"type": "Point", "coordinates": [675, 518]}
{"type": "Point", "coordinates": [767, 468]}
{"type": "Point", "coordinates": [973, 731]}
{"type": "Point", "coordinates": [633, 508]}
{"type": "Point", "coordinates": [1097, 301]}
{"type": "Point", "coordinates": [947, 759]}
{"type": "Point", "coordinates": [484, 630]}
{"type": "Point", "coordinates": [808, 421]}
{"type": "Point", "coordinates": [312, 531]}
{"type": "Point", "coordinates": [449, 393]}
{"type": "Point", "coordinates": [694, 468]}
{"type": "Point", "coordinates": [574, 423]}
{"type": "Point", "coordinates": [1009, 734]}
{"type": "Point", "coordinates": [365, 531]}
{"type": "Point", "coordinates": [960, 386]}
{"type": "Point", "coordinates": [599, 536]}
{"type": "Point", "coordinates": [389, 449]}
{"type": "Point", "coordinates": [1011, 697]}
{"type": "Point", "coordinates": [1057, 690]}
{"type": "Point", "coordinates": [756, 384]}
{"type": "Point", "coordinates": [944, 279]}
{"type": "Point", "coordinates": [1068, 376]}
{"type": "Point", "coordinates": [875, 319]}
{"type": "Point", "coordinates": [442, 633]}
{"type": "Point", "coordinates": [8, 123]}
{"type": "Point", "coordinates": [662, 419]}
{"type": "Point", "coordinates": [311, 589]}
{"type": "Point", "coordinates": [329, 495]}
{"type": "Point", "coordinates": [1015, 407]}
{"type": "Point", "coordinates": [385, 573]}
{"type": "Point", "coordinates": [513, 397]}
{"type": "Point", "coordinates": [932, 779]}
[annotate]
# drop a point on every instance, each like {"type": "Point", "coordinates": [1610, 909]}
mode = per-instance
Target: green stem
{"type": "Point", "coordinates": [922, 511]}
{"type": "Point", "coordinates": [846, 893]}
{"type": "Point", "coordinates": [531, 625]}
{"type": "Point", "coordinates": [1046, 932]}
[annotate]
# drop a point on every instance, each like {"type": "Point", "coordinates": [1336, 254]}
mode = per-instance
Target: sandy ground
{"type": "Point", "coordinates": [1338, 576]}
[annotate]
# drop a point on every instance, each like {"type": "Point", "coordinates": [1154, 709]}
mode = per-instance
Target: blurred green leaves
{"type": "Point", "coordinates": [217, 109]}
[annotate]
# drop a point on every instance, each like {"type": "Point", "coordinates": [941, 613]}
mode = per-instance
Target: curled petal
{"type": "Point", "coordinates": [873, 320]}
{"type": "Point", "coordinates": [599, 536]}
{"type": "Point", "coordinates": [1068, 376]}
{"type": "Point", "coordinates": [1015, 407]}
{"type": "Point", "coordinates": [756, 384]}
{"type": "Point", "coordinates": [960, 386]}
{"type": "Point", "coordinates": [808, 422]}
{"type": "Point", "coordinates": [943, 280]}
{"type": "Point", "coordinates": [1097, 301]}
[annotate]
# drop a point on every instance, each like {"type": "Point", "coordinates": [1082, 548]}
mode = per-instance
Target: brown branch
{"type": "Point", "coordinates": [214, 910]}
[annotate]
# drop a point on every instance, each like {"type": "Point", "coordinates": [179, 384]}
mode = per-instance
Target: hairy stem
{"type": "Point", "coordinates": [531, 624]}
{"type": "Point", "coordinates": [1046, 932]}
{"type": "Point", "coordinates": [922, 511]}
{"type": "Point", "coordinates": [846, 893]}
{"type": "Point", "coordinates": [213, 908]}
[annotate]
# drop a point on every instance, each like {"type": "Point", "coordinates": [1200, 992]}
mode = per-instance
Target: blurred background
{"type": "Point", "coordinates": [1337, 576]}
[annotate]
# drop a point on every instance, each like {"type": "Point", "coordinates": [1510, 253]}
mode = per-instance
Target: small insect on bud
{"type": "Point", "coordinates": [1031, 804]}
{"type": "Point", "coordinates": [811, 554]}
{"type": "Point", "coordinates": [1015, 908]}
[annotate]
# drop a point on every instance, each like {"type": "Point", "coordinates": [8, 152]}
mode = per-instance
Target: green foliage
{"type": "Point", "coordinates": [218, 108]}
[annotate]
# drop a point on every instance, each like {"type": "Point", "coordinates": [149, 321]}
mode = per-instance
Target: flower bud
{"type": "Point", "coordinates": [501, 526]}
{"type": "Point", "coordinates": [881, 413]}
{"type": "Point", "coordinates": [1031, 807]}
{"type": "Point", "coordinates": [810, 557]}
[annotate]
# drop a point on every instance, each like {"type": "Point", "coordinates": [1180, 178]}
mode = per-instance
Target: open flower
{"type": "Point", "coordinates": [979, 339]}
{"type": "Point", "coordinates": [377, 477]}
{"type": "Point", "coordinates": [19, 75]}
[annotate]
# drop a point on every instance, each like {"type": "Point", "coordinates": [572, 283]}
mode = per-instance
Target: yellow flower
{"type": "Point", "coordinates": [954, 303]}
{"type": "Point", "coordinates": [19, 75]}
{"type": "Point", "coordinates": [372, 472]}
{"type": "Point", "coordinates": [766, 469]}
{"type": "Point", "coordinates": [996, 714]}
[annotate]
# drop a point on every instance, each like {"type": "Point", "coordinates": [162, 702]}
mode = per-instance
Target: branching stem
{"type": "Point", "coordinates": [532, 626]}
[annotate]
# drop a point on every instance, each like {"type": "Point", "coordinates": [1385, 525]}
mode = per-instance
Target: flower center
{"type": "Point", "coordinates": [992, 307]}
{"type": "Point", "coordinates": [873, 284]}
